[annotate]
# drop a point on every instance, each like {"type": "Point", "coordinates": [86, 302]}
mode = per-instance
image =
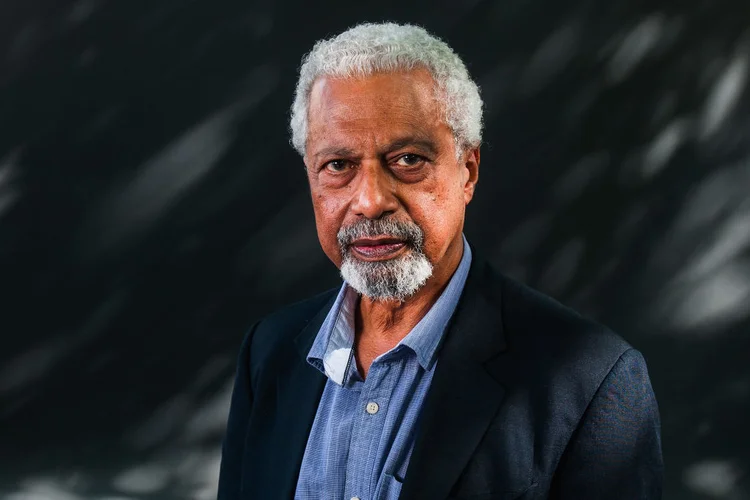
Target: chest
{"type": "Point", "coordinates": [363, 434]}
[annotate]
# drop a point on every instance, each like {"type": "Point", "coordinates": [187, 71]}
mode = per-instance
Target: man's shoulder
{"type": "Point", "coordinates": [283, 325]}
{"type": "Point", "coordinates": [561, 356]}
{"type": "Point", "coordinates": [531, 311]}
{"type": "Point", "coordinates": [541, 330]}
{"type": "Point", "coordinates": [300, 312]}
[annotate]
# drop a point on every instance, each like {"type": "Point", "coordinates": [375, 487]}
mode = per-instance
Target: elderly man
{"type": "Point", "coordinates": [427, 375]}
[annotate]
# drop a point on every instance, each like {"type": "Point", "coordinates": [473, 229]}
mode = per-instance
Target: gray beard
{"type": "Point", "coordinates": [394, 279]}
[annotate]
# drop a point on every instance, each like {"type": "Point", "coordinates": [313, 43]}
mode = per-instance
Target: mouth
{"type": "Point", "coordinates": [381, 248]}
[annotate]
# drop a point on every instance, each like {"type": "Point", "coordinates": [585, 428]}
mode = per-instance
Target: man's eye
{"type": "Point", "coordinates": [410, 160]}
{"type": "Point", "coordinates": [336, 166]}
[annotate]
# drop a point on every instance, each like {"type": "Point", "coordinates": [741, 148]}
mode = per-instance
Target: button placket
{"type": "Point", "coordinates": [366, 432]}
{"type": "Point", "coordinates": [376, 393]}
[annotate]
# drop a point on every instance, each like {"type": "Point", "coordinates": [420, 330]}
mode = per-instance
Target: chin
{"type": "Point", "coordinates": [397, 278]}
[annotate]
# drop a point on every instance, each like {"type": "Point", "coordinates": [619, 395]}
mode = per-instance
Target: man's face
{"type": "Point", "coordinates": [386, 184]}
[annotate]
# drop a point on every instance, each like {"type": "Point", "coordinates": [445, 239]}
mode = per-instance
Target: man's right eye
{"type": "Point", "coordinates": [336, 166]}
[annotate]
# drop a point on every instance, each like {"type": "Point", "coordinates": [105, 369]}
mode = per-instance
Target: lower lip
{"type": "Point", "coordinates": [378, 251]}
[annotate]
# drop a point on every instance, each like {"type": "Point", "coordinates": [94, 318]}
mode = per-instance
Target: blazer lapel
{"type": "Point", "coordinates": [463, 397]}
{"type": "Point", "coordinates": [299, 392]}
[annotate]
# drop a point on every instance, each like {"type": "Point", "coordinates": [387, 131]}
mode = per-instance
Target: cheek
{"type": "Point", "coordinates": [328, 219]}
{"type": "Point", "coordinates": [328, 210]}
{"type": "Point", "coordinates": [441, 214]}
{"type": "Point", "coordinates": [325, 214]}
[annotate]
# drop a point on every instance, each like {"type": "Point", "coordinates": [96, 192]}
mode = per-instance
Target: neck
{"type": "Point", "coordinates": [390, 321]}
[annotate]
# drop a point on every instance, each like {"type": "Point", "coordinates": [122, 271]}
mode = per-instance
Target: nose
{"type": "Point", "coordinates": [374, 196]}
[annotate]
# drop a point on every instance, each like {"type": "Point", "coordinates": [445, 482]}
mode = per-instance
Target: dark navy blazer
{"type": "Point", "coordinates": [529, 400]}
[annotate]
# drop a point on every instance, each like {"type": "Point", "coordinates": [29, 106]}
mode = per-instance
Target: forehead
{"type": "Point", "coordinates": [373, 109]}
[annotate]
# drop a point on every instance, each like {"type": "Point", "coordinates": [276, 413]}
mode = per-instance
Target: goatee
{"type": "Point", "coordinates": [394, 279]}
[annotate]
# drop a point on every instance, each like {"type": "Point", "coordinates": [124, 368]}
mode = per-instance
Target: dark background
{"type": "Point", "coordinates": [151, 209]}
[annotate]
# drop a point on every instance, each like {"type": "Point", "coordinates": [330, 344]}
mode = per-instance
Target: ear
{"type": "Point", "coordinates": [470, 172]}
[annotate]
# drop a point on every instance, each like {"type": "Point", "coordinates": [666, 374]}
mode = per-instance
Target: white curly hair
{"type": "Point", "coordinates": [387, 47]}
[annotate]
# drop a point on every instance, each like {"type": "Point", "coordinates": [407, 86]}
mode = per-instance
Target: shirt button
{"type": "Point", "coordinates": [372, 409]}
{"type": "Point", "coordinates": [355, 498]}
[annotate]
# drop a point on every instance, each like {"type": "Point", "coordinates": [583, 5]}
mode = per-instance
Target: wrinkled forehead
{"type": "Point", "coordinates": [374, 107]}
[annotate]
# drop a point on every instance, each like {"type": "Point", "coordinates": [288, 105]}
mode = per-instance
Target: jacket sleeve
{"type": "Point", "coordinates": [230, 471]}
{"type": "Point", "coordinates": [615, 452]}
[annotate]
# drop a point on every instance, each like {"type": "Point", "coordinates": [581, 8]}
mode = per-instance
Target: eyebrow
{"type": "Point", "coordinates": [335, 151]}
{"type": "Point", "coordinates": [422, 143]}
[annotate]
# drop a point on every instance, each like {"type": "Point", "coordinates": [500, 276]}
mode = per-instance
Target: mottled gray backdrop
{"type": "Point", "coordinates": [151, 209]}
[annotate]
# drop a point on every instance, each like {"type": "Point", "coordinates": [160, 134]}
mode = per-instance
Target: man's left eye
{"type": "Point", "coordinates": [410, 160]}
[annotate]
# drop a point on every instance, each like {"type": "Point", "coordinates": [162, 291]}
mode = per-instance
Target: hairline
{"type": "Point", "coordinates": [438, 95]}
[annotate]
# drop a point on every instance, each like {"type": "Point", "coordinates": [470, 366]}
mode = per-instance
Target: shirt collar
{"type": "Point", "coordinates": [332, 349]}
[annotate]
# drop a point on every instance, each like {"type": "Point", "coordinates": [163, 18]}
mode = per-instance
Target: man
{"type": "Point", "coordinates": [427, 375]}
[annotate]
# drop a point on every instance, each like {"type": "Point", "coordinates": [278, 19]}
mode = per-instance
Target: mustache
{"type": "Point", "coordinates": [407, 231]}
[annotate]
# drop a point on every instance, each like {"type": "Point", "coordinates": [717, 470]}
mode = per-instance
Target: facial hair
{"type": "Point", "coordinates": [388, 280]}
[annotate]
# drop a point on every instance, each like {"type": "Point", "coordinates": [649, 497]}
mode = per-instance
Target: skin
{"type": "Point", "coordinates": [379, 147]}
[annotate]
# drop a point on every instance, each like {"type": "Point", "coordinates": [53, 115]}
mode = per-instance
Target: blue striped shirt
{"type": "Point", "coordinates": [363, 433]}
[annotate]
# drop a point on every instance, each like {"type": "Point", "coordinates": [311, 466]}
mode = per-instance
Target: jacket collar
{"type": "Point", "coordinates": [463, 397]}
